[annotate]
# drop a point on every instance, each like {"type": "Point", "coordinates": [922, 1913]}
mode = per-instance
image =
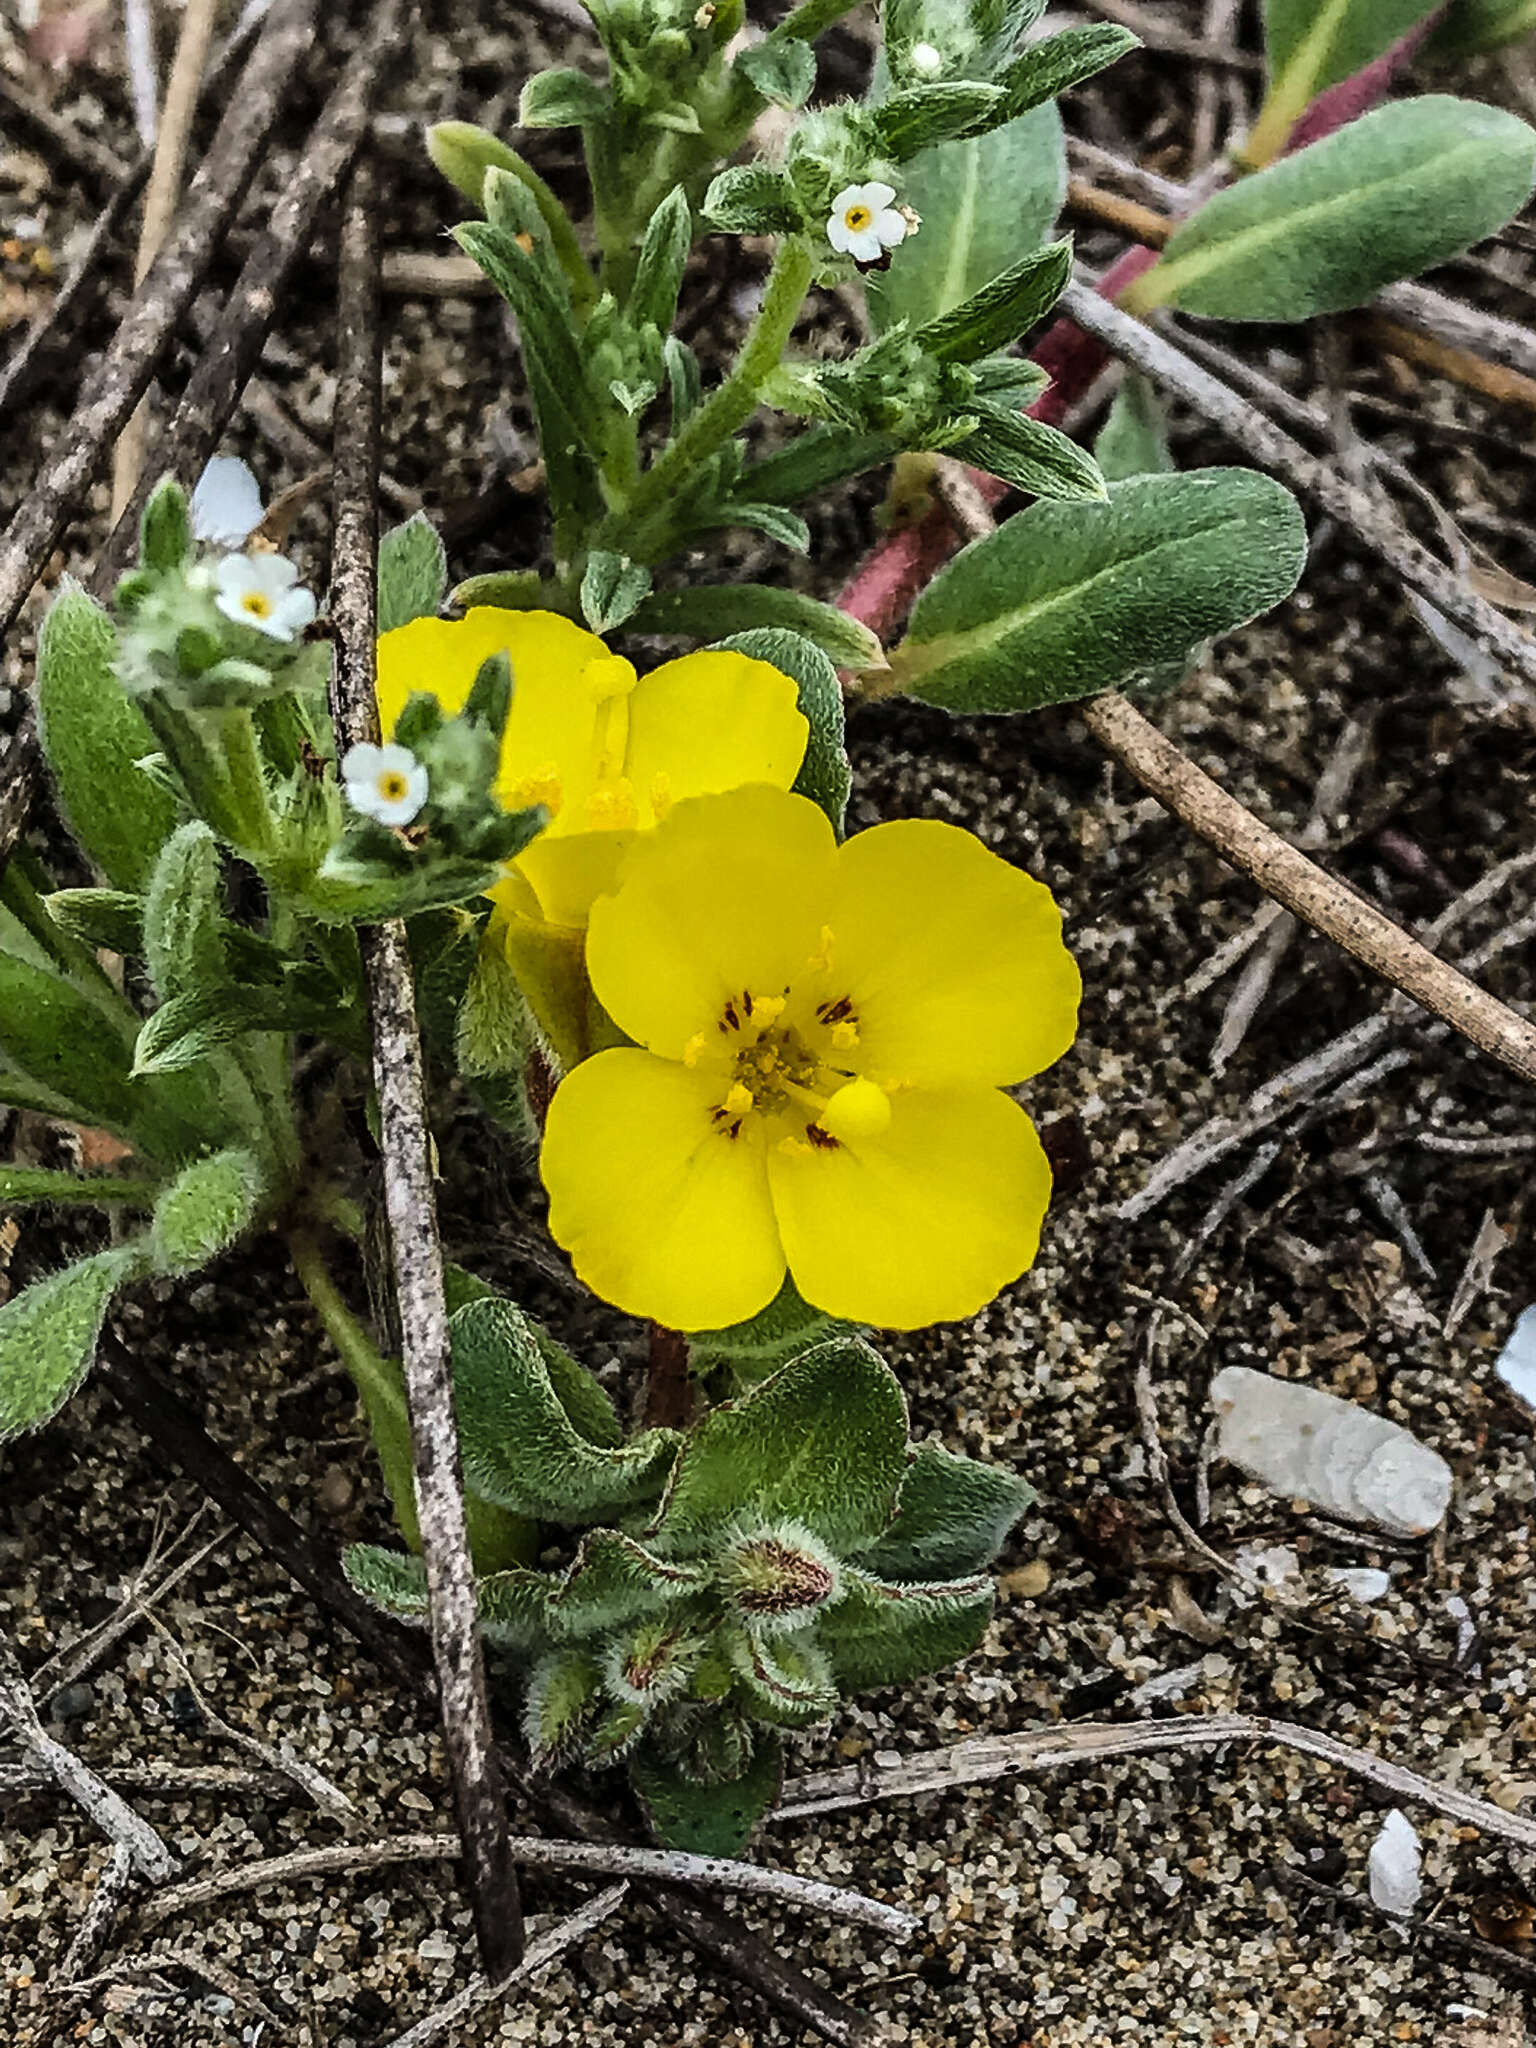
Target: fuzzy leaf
{"type": "Point", "coordinates": [923, 116]}
{"type": "Point", "coordinates": [1047, 69]}
{"type": "Point", "coordinates": [969, 236]}
{"type": "Point", "coordinates": [952, 1515]}
{"type": "Point", "coordinates": [165, 527]}
{"type": "Point", "coordinates": [395, 1580]}
{"type": "Point", "coordinates": [823, 1442]}
{"type": "Point", "coordinates": [1312, 44]}
{"type": "Point", "coordinates": [614, 1581]}
{"type": "Point", "coordinates": [413, 573]}
{"type": "Point", "coordinates": [782, 71]}
{"type": "Point", "coordinates": [1395, 193]}
{"type": "Point", "coordinates": [1030, 455]}
{"type": "Point", "coordinates": [493, 1032]}
{"type": "Point", "coordinates": [208, 1205]}
{"type": "Point", "coordinates": [183, 942]}
{"type": "Point", "coordinates": [784, 1680]}
{"type": "Point", "coordinates": [21, 1186]}
{"type": "Point", "coordinates": [564, 98]}
{"type": "Point", "coordinates": [700, 611]}
{"type": "Point", "coordinates": [93, 735]}
{"type": "Point", "coordinates": [715, 1819]}
{"type": "Point", "coordinates": [611, 588]}
{"type": "Point", "coordinates": [880, 1634]}
{"type": "Point", "coordinates": [562, 1692]}
{"type": "Point", "coordinates": [663, 259]}
{"type": "Point", "coordinates": [775, 1335]}
{"type": "Point", "coordinates": [816, 460]}
{"type": "Point", "coordinates": [1002, 310]}
{"type": "Point", "coordinates": [1471, 26]}
{"type": "Point", "coordinates": [752, 199]}
{"type": "Point", "coordinates": [196, 1023]}
{"type": "Point", "coordinates": [1064, 600]}
{"type": "Point", "coordinates": [48, 1335]}
{"type": "Point", "coordinates": [62, 1039]}
{"type": "Point", "coordinates": [100, 917]}
{"type": "Point", "coordinates": [786, 527]}
{"type": "Point", "coordinates": [521, 1448]}
{"type": "Point", "coordinates": [824, 776]}
{"type": "Point", "coordinates": [1133, 440]}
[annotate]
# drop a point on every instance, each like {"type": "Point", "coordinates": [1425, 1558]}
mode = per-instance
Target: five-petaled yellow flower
{"type": "Point", "coordinates": [606, 751]}
{"type": "Point", "coordinates": [823, 1034]}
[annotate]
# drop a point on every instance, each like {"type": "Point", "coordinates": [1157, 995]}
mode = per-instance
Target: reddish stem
{"type": "Point", "coordinates": [1352, 97]}
{"type": "Point", "coordinates": [669, 1385]}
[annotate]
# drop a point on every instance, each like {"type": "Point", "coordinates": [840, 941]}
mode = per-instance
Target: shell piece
{"type": "Point", "coordinates": [1394, 1865]}
{"type": "Point", "coordinates": [1308, 1445]}
{"type": "Point", "coordinates": [1516, 1365]}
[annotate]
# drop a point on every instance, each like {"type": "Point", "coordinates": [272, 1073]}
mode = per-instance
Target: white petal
{"type": "Point", "coordinates": [393, 760]}
{"type": "Point", "coordinates": [272, 573]}
{"type": "Point", "coordinates": [364, 762]}
{"type": "Point", "coordinates": [838, 234]}
{"type": "Point", "coordinates": [864, 248]}
{"type": "Point", "coordinates": [295, 609]}
{"type": "Point", "coordinates": [851, 195]}
{"type": "Point", "coordinates": [877, 195]}
{"type": "Point", "coordinates": [233, 575]}
{"type": "Point", "coordinates": [891, 227]}
{"type": "Point", "coordinates": [226, 504]}
{"type": "Point", "coordinates": [364, 797]}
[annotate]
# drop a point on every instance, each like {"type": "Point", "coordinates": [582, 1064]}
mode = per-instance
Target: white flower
{"type": "Point", "coordinates": [925, 60]}
{"type": "Point", "coordinates": [264, 591]}
{"type": "Point", "coordinates": [863, 222]}
{"type": "Point", "coordinates": [387, 783]}
{"type": "Point", "coordinates": [226, 504]}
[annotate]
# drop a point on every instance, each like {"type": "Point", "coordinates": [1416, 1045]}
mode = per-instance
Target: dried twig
{"type": "Point", "coordinates": [117, 1880]}
{"type": "Point", "coordinates": [139, 49]}
{"type": "Point", "coordinates": [1507, 1961]}
{"type": "Point", "coordinates": [160, 197]}
{"type": "Point", "coordinates": [106, 1808]}
{"type": "Point", "coordinates": [408, 1195]}
{"type": "Point", "coordinates": [986, 1758]}
{"type": "Point", "coordinates": [1497, 381]}
{"type": "Point", "coordinates": [479, 1993]}
{"type": "Point", "coordinates": [1154, 31]}
{"type": "Point", "coordinates": [604, 1859]}
{"type": "Point", "coordinates": [152, 1781]}
{"type": "Point", "coordinates": [78, 1657]}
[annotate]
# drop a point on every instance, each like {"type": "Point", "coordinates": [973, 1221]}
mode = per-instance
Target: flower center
{"type": "Point", "coordinates": [393, 786]}
{"type": "Point", "coordinates": [794, 1077]}
{"type": "Point", "coordinates": [857, 219]}
{"type": "Point", "coordinates": [257, 603]}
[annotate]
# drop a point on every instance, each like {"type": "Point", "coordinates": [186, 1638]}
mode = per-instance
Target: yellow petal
{"type": "Point", "coordinates": [441, 656]}
{"type": "Point", "coordinates": [568, 873]}
{"type": "Point", "coordinates": [952, 958]}
{"type": "Point", "coordinates": [711, 722]}
{"type": "Point", "coordinates": [922, 1224]}
{"type": "Point", "coordinates": [729, 895]}
{"type": "Point", "coordinates": [662, 1212]}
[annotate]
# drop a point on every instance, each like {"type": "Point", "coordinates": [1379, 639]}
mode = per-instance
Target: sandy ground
{"type": "Point", "coordinates": [1150, 1900]}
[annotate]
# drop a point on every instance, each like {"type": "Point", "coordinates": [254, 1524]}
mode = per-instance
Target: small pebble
{"type": "Point", "coordinates": [72, 1702]}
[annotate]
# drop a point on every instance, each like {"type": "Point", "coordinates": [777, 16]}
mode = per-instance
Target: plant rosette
{"type": "Point", "coordinates": [606, 751]}
{"type": "Point", "coordinates": [822, 1035]}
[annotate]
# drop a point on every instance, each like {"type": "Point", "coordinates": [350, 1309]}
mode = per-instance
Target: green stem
{"type": "Point", "coordinates": [23, 1184]}
{"type": "Point", "coordinates": [731, 404]}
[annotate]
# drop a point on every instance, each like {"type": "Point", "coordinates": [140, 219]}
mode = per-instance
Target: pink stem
{"type": "Point", "coordinates": [882, 589]}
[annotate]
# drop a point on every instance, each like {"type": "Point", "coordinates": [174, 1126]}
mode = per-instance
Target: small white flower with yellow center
{"type": "Point", "coordinates": [388, 784]}
{"type": "Point", "coordinates": [863, 223]}
{"type": "Point", "coordinates": [264, 591]}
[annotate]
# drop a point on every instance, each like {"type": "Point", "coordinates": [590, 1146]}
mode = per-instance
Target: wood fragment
{"type": "Point", "coordinates": [113, 1888]}
{"type": "Point", "coordinates": [1446, 359]}
{"type": "Point", "coordinates": [604, 1859]}
{"type": "Point", "coordinates": [409, 1199]}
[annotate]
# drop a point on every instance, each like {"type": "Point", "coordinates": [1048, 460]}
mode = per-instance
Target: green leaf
{"type": "Point", "coordinates": [952, 1515]}
{"type": "Point", "coordinates": [1394, 193]}
{"type": "Point", "coordinates": [1030, 455]}
{"type": "Point", "coordinates": [1133, 440]}
{"type": "Point", "coordinates": [391, 1579]}
{"type": "Point", "coordinates": [781, 71]}
{"type": "Point", "coordinates": [685, 382]}
{"type": "Point", "coordinates": [611, 587]}
{"type": "Point", "coordinates": [183, 938]}
{"type": "Point", "coordinates": [784, 1680]}
{"type": "Point", "coordinates": [165, 527]}
{"type": "Point", "coordinates": [1312, 44]}
{"type": "Point", "coordinates": [981, 201]}
{"type": "Point", "coordinates": [562, 1691]}
{"type": "Point", "coordinates": [210, 1203]}
{"type": "Point", "coordinates": [564, 98]}
{"type": "Point", "coordinates": [822, 1442]}
{"type": "Point", "coordinates": [21, 1186]}
{"type": "Point", "coordinates": [775, 1335]}
{"type": "Point", "coordinates": [69, 1044]}
{"type": "Point", "coordinates": [1471, 26]}
{"type": "Point", "coordinates": [614, 1581]}
{"type": "Point", "coordinates": [752, 199]}
{"type": "Point", "coordinates": [924, 116]}
{"type": "Point", "coordinates": [49, 1332]}
{"type": "Point", "coordinates": [1002, 310]}
{"type": "Point", "coordinates": [1049, 68]}
{"type": "Point", "coordinates": [663, 259]}
{"type": "Point", "coordinates": [413, 573]}
{"type": "Point", "coordinates": [703, 610]}
{"type": "Point", "coordinates": [880, 1634]}
{"type": "Point", "coordinates": [93, 735]}
{"type": "Point", "coordinates": [713, 1819]}
{"type": "Point", "coordinates": [521, 1448]}
{"type": "Point", "coordinates": [493, 1030]}
{"type": "Point", "coordinates": [825, 776]}
{"type": "Point", "coordinates": [814, 461]}
{"type": "Point", "coordinates": [512, 590]}
{"type": "Point", "coordinates": [786, 527]}
{"type": "Point", "coordinates": [100, 917]}
{"type": "Point", "coordinates": [1064, 600]}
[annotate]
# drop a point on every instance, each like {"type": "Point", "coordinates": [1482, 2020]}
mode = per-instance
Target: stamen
{"type": "Point", "coordinates": [845, 1035]}
{"type": "Point", "coordinates": [739, 1100]}
{"type": "Point", "coordinates": [693, 1051]}
{"type": "Point", "coordinates": [543, 786]}
{"type": "Point", "coordinates": [612, 807]}
{"type": "Point", "coordinates": [859, 1109]}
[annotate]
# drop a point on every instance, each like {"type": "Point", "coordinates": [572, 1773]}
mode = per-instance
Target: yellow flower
{"type": "Point", "coordinates": [606, 751]}
{"type": "Point", "coordinates": [822, 1037]}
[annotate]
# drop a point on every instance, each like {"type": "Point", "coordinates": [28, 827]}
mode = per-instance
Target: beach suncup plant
{"type": "Point", "coordinates": [764, 1063]}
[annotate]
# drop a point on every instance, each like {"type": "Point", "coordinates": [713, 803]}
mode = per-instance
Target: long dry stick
{"type": "Point", "coordinates": [989, 1757]}
{"type": "Point", "coordinates": [605, 1859]}
{"type": "Point", "coordinates": [160, 203]}
{"type": "Point", "coordinates": [234, 345]}
{"type": "Point", "coordinates": [409, 1200]}
{"type": "Point", "coordinates": [153, 1404]}
{"type": "Point", "coordinates": [1365, 514]}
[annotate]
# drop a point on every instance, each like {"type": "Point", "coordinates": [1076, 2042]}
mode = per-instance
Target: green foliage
{"type": "Point", "coordinates": [1054, 66]}
{"type": "Point", "coordinates": [714, 1816]}
{"type": "Point", "coordinates": [76, 1048]}
{"type": "Point", "coordinates": [695, 611]}
{"type": "Point", "coordinates": [752, 199]}
{"type": "Point", "coordinates": [565, 98]}
{"type": "Point", "coordinates": [783, 1330]}
{"type": "Point", "coordinates": [922, 117]}
{"type": "Point", "coordinates": [413, 573]}
{"type": "Point", "coordinates": [951, 1517]}
{"type": "Point", "coordinates": [1312, 44]}
{"type": "Point", "coordinates": [967, 238]}
{"type": "Point", "coordinates": [93, 736]}
{"type": "Point", "coordinates": [663, 260]}
{"type": "Point", "coordinates": [1030, 455]}
{"type": "Point", "coordinates": [1002, 310]}
{"type": "Point", "coordinates": [23, 1186]}
{"type": "Point", "coordinates": [783, 72]}
{"type": "Point", "coordinates": [1064, 600]}
{"type": "Point", "coordinates": [611, 588]}
{"type": "Point", "coordinates": [1470, 27]}
{"type": "Point", "coordinates": [112, 918]}
{"type": "Point", "coordinates": [206, 1208]}
{"type": "Point", "coordinates": [824, 776]}
{"type": "Point", "coordinates": [1392, 194]}
{"type": "Point", "coordinates": [1133, 440]}
{"type": "Point", "coordinates": [165, 531]}
{"type": "Point", "coordinates": [49, 1332]}
{"type": "Point", "coordinates": [183, 942]}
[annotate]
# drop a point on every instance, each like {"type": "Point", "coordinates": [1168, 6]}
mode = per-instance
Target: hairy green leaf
{"type": "Point", "coordinates": [93, 735]}
{"type": "Point", "coordinates": [1133, 440]}
{"type": "Point", "coordinates": [1002, 310]}
{"type": "Point", "coordinates": [663, 259]}
{"type": "Point", "coordinates": [21, 1186]}
{"type": "Point", "coordinates": [208, 1205]}
{"type": "Point", "coordinates": [824, 776]}
{"type": "Point", "coordinates": [564, 98]}
{"type": "Point", "coordinates": [752, 199]}
{"type": "Point", "coordinates": [69, 1044]}
{"type": "Point", "coordinates": [183, 937]}
{"type": "Point", "coordinates": [413, 573]}
{"type": "Point", "coordinates": [952, 1515]}
{"type": "Point", "coordinates": [924, 116]}
{"type": "Point", "coordinates": [775, 1335]}
{"type": "Point", "coordinates": [780, 70]}
{"type": "Point", "coordinates": [113, 918]}
{"type": "Point", "coordinates": [881, 1634]}
{"type": "Point", "coordinates": [611, 587]}
{"type": "Point", "coordinates": [1066, 599]}
{"type": "Point", "coordinates": [1047, 69]}
{"type": "Point", "coordinates": [714, 1818]}
{"type": "Point", "coordinates": [1030, 455]}
{"type": "Point", "coordinates": [1395, 193]}
{"type": "Point", "coordinates": [49, 1332]}
{"type": "Point", "coordinates": [700, 611]}
{"type": "Point", "coordinates": [1312, 44]}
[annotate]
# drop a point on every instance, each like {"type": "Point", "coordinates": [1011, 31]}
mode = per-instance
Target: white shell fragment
{"type": "Point", "coordinates": [1395, 1864]}
{"type": "Point", "coordinates": [1308, 1445]}
{"type": "Point", "coordinates": [1516, 1365]}
{"type": "Point", "coordinates": [1361, 1582]}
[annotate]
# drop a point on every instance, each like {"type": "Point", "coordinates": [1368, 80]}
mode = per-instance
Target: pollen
{"type": "Point", "coordinates": [612, 808]}
{"type": "Point", "coordinates": [541, 787]}
{"type": "Point", "coordinates": [767, 1010]}
{"type": "Point", "coordinates": [695, 1049]}
{"type": "Point", "coordinates": [392, 787]}
{"type": "Point", "coordinates": [257, 603]}
{"type": "Point", "coordinates": [845, 1035]}
{"type": "Point", "coordinates": [739, 1100]}
{"type": "Point", "coordinates": [857, 218]}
